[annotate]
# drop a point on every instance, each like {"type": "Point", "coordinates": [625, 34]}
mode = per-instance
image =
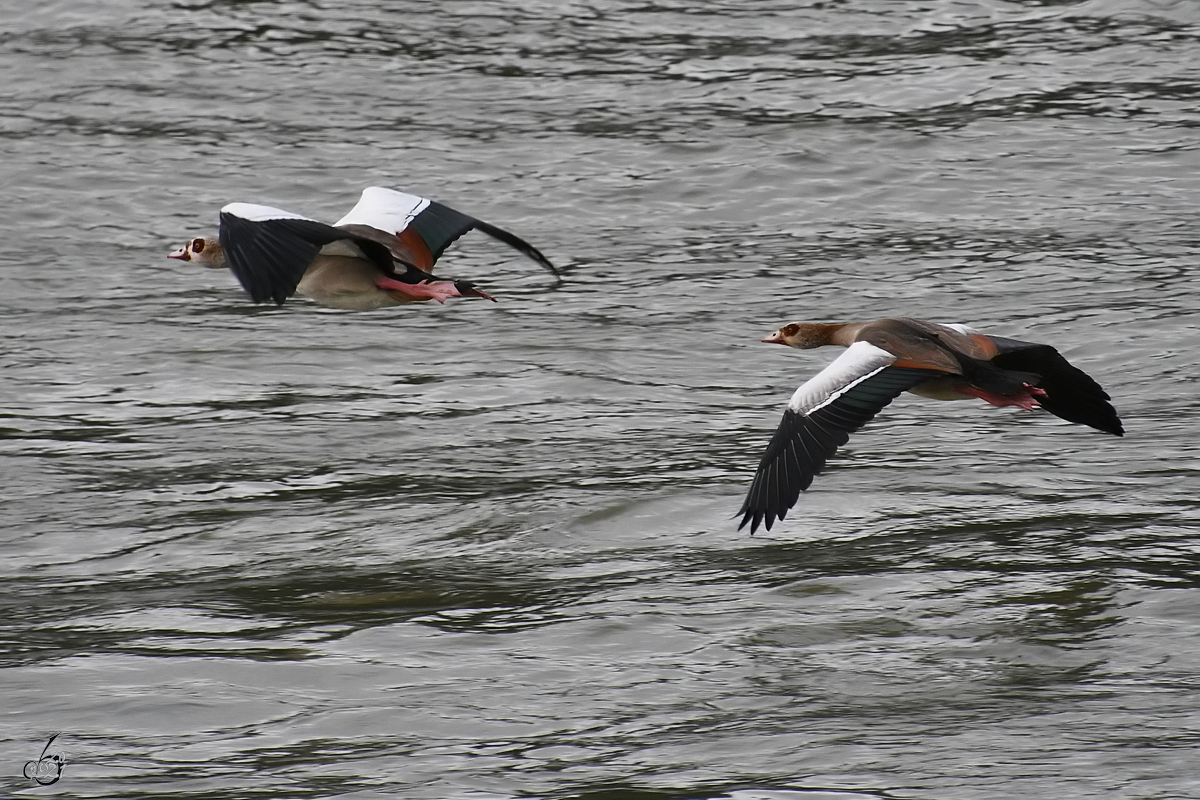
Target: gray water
{"type": "Point", "coordinates": [487, 551]}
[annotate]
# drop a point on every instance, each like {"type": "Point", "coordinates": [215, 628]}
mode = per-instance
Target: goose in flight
{"type": "Point", "coordinates": [380, 254]}
{"type": "Point", "coordinates": [888, 356]}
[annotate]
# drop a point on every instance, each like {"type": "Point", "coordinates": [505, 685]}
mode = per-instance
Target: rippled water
{"type": "Point", "coordinates": [487, 551]}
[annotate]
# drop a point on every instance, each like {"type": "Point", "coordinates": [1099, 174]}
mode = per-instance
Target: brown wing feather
{"type": "Point", "coordinates": [914, 342]}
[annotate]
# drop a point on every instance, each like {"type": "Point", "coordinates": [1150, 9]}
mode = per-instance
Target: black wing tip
{"type": "Point", "coordinates": [518, 244]}
{"type": "Point", "coordinates": [1104, 420]}
{"type": "Point", "coordinates": [773, 492]}
{"type": "Point", "coordinates": [766, 518]}
{"type": "Point", "coordinates": [803, 442]}
{"type": "Point", "coordinates": [756, 518]}
{"type": "Point", "coordinates": [1094, 412]}
{"type": "Point", "coordinates": [258, 296]}
{"type": "Point", "coordinates": [1107, 422]}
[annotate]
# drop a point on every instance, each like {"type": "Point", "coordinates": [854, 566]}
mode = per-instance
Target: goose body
{"type": "Point", "coordinates": [886, 357]}
{"type": "Point", "coordinates": [380, 254]}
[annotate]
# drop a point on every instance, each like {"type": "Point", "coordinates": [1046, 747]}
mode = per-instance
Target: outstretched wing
{"type": "Point", "coordinates": [820, 418]}
{"type": "Point", "coordinates": [419, 230]}
{"type": "Point", "coordinates": [268, 249]}
{"type": "Point", "coordinates": [1071, 393]}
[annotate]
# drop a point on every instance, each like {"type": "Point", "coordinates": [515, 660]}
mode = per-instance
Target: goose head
{"type": "Point", "coordinates": [803, 335]}
{"type": "Point", "coordinates": [206, 252]}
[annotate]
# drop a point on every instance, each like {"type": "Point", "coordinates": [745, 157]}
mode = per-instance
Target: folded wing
{"type": "Point", "coordinates": [820, 418]}
{"type": "Point", "coordinates": [419, 230]}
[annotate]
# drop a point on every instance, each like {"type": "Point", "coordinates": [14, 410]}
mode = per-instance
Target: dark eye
{"type": "Point", "coordinates": [197, 245]}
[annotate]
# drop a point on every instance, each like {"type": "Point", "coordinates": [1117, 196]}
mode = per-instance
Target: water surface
{"type": "Point", "coordinates": [487, 551]}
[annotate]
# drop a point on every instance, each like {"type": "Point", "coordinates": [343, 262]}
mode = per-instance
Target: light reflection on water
{"type": "Point", "coordinates": [489, 551]}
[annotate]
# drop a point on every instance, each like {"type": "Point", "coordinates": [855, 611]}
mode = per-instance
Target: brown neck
{"type": "Point", "coordinates": [844, 333]}
{"type": "Point", "coordinates": [214, 256]}
{"type": "Point", "coordinates": [807, 335]}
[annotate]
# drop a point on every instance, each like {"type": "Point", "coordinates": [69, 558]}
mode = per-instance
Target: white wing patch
{"type": "Point", "coordinates": [385, 209]}
{"type": "Point", "coordinates": [965, 329]}
{"type": "Point", "coordinates": [256, 213]}
{"type": "Point", "coordinates": [860, 361]}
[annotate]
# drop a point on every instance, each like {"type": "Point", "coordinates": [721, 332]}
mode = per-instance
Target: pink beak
{"type": "Point", "coordinates": [182, 254]}
{"type": "Point", "coordinates": [774, 338]}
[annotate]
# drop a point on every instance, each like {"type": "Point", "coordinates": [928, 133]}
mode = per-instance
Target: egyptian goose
{"type": "Point", "coordinates": [380, 254]}
{"type": "Point", "coordinates": [889, 356]}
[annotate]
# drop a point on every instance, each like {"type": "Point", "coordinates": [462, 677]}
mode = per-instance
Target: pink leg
{"type": "Point", "coordinates": [428, 290]}
{"type": "Point", "coordinates": [1025, 398]}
